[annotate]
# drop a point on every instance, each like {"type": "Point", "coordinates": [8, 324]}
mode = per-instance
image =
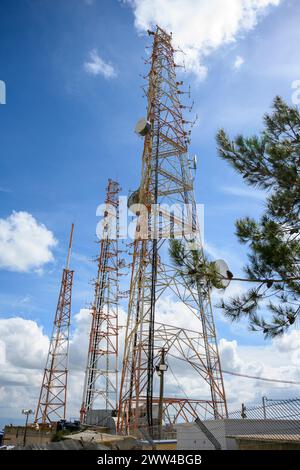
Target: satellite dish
{"type": "Point", "coordinates": [134, 198]}
{"type": "Point", "coordinates": [223, 270]}
{"type": "Point", "coordinates": [142, 127]}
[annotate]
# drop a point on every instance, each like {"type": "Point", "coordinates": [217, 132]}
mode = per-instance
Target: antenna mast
{"type": "Point", "coordinates": [166, 181]}
{"type": "Point", "coordinates": [101, 377]}
{"type": "Point", "coordinates": [53, 395]}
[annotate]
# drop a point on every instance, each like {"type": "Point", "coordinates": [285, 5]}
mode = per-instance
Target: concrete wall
{"type": "Point", "coordinates": [14, 435]}
{"type": "Point", "coordinates": [244, 444]}
{"type": "Point", "coordinates": [190, 437]}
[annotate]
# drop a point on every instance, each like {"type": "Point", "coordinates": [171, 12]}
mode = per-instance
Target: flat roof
{"type": "Point", "coordinates": [97, 437]}
{"type": "Point", "coordinates": [267, 437]}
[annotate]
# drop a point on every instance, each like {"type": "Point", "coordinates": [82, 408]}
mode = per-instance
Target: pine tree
{"type": "Point", "coordinates": [271, 162]}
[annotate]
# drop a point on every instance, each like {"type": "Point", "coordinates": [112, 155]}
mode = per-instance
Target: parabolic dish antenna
{"type": "Point", "coordinates": [134, 198]}
{"type": "Point", "coordinates": [142, 127]}
{"type": "Point", "coordinates": [224, 272]}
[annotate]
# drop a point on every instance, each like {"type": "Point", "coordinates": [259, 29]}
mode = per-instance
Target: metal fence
{"type": "Point", "coordinates": [272, 424]}
{"type": "Point", "coordinates": [270, 409]}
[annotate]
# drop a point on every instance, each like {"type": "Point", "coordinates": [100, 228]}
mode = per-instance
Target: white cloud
{"type": "Point", "coordinates": [25, 343]}
{"type": "Point", "coordinates": [244, 192]}
{"type": "Point", "coordinates": [239, 61]}
{"type": "Point", "coordinates": [200, 26]}
{"type": "Point", "coordinates": [296, 93]}
{"type": "Point", "coordinates": [229, 354]}
{"type": "Point", "coordinates": [97, 66]}
{"type": "Point", "coordinates": [25, 244]}
{"type": "Point", "coordinates": [26, 349]}
{"type": "Point", "coordinates": [276, 360]}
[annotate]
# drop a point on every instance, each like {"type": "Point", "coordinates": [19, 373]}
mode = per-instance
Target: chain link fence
{"type": "Point", "coordinates": [273, 424]}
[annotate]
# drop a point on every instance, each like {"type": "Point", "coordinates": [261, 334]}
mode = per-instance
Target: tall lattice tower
{"type": "Point", "coordinates": [53, 396]}
{"type": "Point", "coordinates": [101, 377]}
{"type": "Point", "coordinates": [166, 181]}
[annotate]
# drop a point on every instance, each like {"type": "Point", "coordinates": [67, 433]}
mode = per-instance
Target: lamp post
{"type": "Point", "coordinates": [161, 369]}
{"type": "Point", "coordinates": [264, 399]}
{"type": "Point", "coordinates": [27, 413]}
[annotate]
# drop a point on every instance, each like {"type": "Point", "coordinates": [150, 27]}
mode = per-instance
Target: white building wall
{"type": "Point", "coordinates": [190, 437]}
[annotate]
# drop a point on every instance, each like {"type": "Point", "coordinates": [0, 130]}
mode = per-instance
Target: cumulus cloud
{"type": "Point", "coordinates": [276, 360]}
{"type": "Point", "coordinates": [25, 244]}
{"type": "Point", "coordinates": [229, 353]}
{"type": "Point", "coordinates": [25, 342]}
{"type": "Point", "coordinates": [97, 66]}
{"type": "Point", "coordinates": [200, 26]}
{"type": "Point", "coordinates": [26, 348]}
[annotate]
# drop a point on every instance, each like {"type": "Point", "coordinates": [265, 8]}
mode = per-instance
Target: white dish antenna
{"type": "Point", "coordinates": [224, 272]}
{"type": "Point", "coordinates": [134, 198]}
{"type": "Point", "coordinates": [142, 127]}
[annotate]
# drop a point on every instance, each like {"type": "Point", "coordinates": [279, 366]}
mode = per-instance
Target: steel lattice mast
{"type": "Point", "coordinates": [101, 377]}
{"type": "Point", "coordinates": [53, 396]}
{"type": "Point", "coordinates": [166, 179]}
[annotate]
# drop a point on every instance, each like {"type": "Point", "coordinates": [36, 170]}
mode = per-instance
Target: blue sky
{"type": "Point", "coordinates": [65, 131]}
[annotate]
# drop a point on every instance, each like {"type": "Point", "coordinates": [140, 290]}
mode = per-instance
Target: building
{"type": "Point", "coordinates": [229, 434]}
